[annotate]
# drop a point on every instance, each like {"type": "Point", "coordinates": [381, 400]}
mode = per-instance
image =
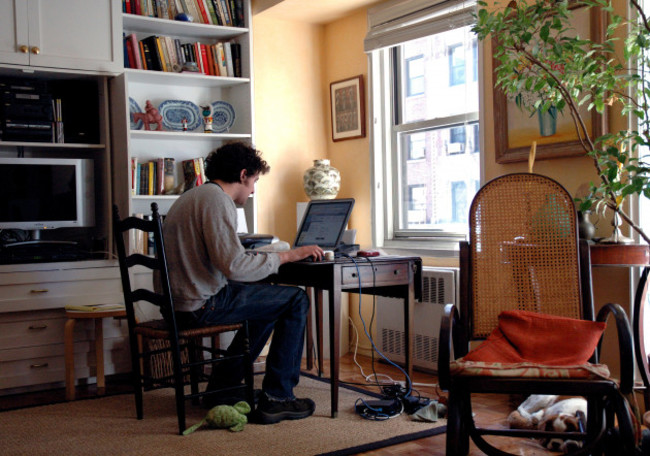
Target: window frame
{"type": "Point", "coordinates": [382, 76]}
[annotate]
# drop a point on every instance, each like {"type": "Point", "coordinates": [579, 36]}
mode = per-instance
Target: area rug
{"type": "Point", "coordinates": [107, 426]}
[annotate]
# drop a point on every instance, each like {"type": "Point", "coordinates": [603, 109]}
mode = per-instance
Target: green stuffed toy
{"type": "Point", "coordinates": [232, 417]}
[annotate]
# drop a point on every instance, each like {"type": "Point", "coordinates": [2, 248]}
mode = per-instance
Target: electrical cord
{"type": "Point", "coordinates": [372, 342]}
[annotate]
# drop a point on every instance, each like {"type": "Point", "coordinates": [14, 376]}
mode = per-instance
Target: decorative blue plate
{"type": "Point", "coordinates": [223, 116]}
{"type": "Point", "coordinates": [174, 111]}
{"type": "Point", "coordinates": [133, 108]}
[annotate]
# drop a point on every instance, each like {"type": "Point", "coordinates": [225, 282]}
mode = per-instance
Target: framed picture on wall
{"type": "Point", "coordinates": [554, 132]}
{"type": "Point", "coordinates": [348, 109]}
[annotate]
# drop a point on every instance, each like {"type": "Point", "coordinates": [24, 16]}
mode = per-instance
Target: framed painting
{"type": "Point", "coordinates": [515, 129]}
{"type": "Point", "coordinates": [348, 109]}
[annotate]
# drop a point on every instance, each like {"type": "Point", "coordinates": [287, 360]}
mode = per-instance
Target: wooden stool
{"type": "Point", "coordinates": [68, 340]}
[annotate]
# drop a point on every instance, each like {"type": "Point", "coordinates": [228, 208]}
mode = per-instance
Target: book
{"type": "Point", "coordinates": [233, 12]}
{"type": "Point", "coordinates": [134, 175]}
{"type": "Point", "coordinates": [160, 176]}
{"type": "Point", "coordinates": [144, 62]}
{"type": "Point", "coordinates": [179, 52]}
{"type": "Point", "coordinates": [169, 181]}
{"type": "Point", "coordinates": [216, 12]}
{"type": "Point", "coordinates": [197, 171]}
{"type": "Point", "coordinates": [226, 12]}
{"type": "Point", "coordinates": [213, 51]}
{"type": "Point", "coordinates": [207, 19]}
{"type": "Point", "coordinates": [94, 307]}
{"type": "Point", "coordinates": [151, 180]}
{"type": "Point", "coordinates": [208, 59]}
{"type": "Point", "coordinates": [125, 45]}
{"type": "Point", "coordinates": [161, 52]}
{"type": "Point", "coordinates": [152, 55]}
{"type": "Point", "coordinates": [204, 59]}
{"type": "Point", "coordinates": [229, 66]}
{"type": "Point", "coordinates": [171, 51]}
{"type": "Point", "coordinates": [135, 47]}
{"type": "Point", "coordinates": [189, 174]}
{"type": "Point", "coordinates": [235, 49]}
{"type": "Point", "coordinates": [221, 60]}
{"type": "Point", "coordinates": [239, 13]}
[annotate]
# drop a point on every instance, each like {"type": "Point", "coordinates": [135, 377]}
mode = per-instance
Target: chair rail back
{"type": "Point", "coordinates": [156, 263]}
{"type": "Point", "coordinates": [523, 251]}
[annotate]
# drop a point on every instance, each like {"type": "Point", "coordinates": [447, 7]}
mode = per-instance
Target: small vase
{"type": "Point", "coordinates": [322, 181]}
{"type": "Point", "coordinates": [585, 227]}
{"type": "Point", "coordinates": [547, 121]}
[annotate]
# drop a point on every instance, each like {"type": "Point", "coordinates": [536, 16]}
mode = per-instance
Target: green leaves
{"type": "Point", "coordinates": [543, 63]}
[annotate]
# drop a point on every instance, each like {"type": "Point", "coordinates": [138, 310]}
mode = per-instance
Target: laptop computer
{"type": "Point", "coordinates": [324, 222]}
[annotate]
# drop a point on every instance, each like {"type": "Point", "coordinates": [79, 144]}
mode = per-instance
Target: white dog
{"type": "Point", "coordinates": [545, 412]}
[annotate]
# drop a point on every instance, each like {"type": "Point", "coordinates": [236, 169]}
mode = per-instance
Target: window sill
{"type": "Point", "coordinates": [422, 247]}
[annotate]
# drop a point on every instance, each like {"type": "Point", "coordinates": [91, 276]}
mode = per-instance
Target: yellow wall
{"type": "Point", "coordinates": [294, 65]}
{"type": "Point", "coordinates": [290, 122]}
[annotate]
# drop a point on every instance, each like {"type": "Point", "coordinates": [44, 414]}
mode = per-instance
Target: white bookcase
{"type": "Point", "coordinates": [158, 86]}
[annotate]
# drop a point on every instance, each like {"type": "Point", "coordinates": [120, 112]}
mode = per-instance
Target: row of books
{"type": "Point", "coordinates": [214, 12]}
{"type": "Point", "coordinates": [163, 53]}
{"type": "Point", "coordinates": [155, 177]}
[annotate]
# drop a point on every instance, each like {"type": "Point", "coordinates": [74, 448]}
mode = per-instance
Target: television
{"type": "Point", "coordinates": [46, 193]}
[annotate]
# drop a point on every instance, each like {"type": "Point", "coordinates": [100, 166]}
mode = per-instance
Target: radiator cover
{"type": "Point", "coordinates": [439, 287]}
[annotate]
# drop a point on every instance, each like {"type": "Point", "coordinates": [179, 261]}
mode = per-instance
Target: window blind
{"type": "Point", "coordinates": [399, 21]}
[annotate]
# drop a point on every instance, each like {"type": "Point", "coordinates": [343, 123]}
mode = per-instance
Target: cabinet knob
{"type": "Point", "coordinates": [24, 49]}
{"type": "Point", "coordinates": [38, 366]}
{"type": "Point", "coordinates": [36, 50]}
{"type": "Point", "coordinates": [41, 290]}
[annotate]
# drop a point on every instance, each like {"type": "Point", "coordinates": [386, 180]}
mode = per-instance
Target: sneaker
{"type": "Point", "coordinates": [271, 411]}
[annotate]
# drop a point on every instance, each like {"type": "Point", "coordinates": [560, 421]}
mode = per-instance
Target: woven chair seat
{"type": "Point", "coordinates": [158, 329]}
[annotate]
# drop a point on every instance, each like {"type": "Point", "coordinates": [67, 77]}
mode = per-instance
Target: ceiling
{"type": "Point", "coordinates": [311, 11]}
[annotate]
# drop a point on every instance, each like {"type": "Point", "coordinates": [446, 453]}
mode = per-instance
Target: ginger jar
{"type": "Point", "coordinates": [322, 181]}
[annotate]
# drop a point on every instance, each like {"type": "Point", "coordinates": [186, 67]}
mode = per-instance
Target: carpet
{"type": "Point", "coordinates": [107, 426]}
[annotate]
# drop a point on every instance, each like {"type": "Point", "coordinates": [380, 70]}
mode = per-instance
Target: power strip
{"type": "Point", "coordinates": [379, 409]}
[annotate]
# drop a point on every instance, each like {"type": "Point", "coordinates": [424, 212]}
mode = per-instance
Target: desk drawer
{"type": "Point", "coordinates": [384, 274]}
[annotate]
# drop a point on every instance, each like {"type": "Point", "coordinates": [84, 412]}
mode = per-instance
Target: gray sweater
{"type": "Point", "coordinates": [203, 249]}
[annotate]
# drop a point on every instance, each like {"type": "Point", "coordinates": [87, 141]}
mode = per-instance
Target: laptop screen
{"type": "Point", "coordinates": [324, 222]}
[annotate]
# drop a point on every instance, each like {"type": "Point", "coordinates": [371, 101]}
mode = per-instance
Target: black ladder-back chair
{"type": "Point", "coordinates": [523, 254]}
{"type": "Point", "coordinates": [185, 347]}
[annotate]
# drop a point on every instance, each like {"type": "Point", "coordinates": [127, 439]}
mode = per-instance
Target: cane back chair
{"type": "Point", "coordinates": [523, 254]}
{"type": "Point", "coordinates": [185, 348]}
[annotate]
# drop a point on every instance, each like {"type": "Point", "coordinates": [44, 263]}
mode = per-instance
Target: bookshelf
{"type": "Point", "coordinates": [159, 87]}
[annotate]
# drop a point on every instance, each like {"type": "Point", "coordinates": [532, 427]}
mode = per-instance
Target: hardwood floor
{"type": "Point", "coordinates": [489, 409]}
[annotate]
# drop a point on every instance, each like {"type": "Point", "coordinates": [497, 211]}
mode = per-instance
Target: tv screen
{"type": "Point", "coordinates": [39, 193]}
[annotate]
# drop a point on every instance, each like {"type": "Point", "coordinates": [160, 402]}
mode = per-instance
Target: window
{"type": "Point", "coordinates": [425, 172]}
{"type": "Point", "coordinates": [415, 75]}
{"type": "Point", "coordinates": [417, 146]}
{"type": "Point", "coordinates": [456, 65]}
{"type": "Point", "coordinates": [456, 140]}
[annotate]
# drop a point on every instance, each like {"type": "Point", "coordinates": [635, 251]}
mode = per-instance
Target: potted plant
{"type": "Point", "coordinates": [539, 52]}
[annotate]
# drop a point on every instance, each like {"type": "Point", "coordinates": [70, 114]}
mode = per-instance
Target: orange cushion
{"type": "Point", "coordinates": [523, 336]}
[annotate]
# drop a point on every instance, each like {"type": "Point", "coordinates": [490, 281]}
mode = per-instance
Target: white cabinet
{"type": "Point", "coordinates": [65, 34]}
{"type": "Point", "coordinates": [136, 86]}
{"type": "Point", "coordinates": [32, 319]}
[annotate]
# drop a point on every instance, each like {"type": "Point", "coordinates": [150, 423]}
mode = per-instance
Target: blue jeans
{"type": "Point", "coordinates": [281, 310]}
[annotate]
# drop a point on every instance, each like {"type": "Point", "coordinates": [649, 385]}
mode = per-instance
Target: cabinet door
{"type": "Point", "coordinates": [13, 32]}
{"type": "Point", "coordinates": [75, 34]}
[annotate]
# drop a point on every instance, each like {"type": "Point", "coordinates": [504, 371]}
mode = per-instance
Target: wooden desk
{"type": "Point", "coordinates": [392, 276]}
{"type": "Point", "coordinates": [631, 255]}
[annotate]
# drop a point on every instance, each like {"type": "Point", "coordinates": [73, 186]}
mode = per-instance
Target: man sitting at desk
{"type": "Point", "coordinates": [211, 274]}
